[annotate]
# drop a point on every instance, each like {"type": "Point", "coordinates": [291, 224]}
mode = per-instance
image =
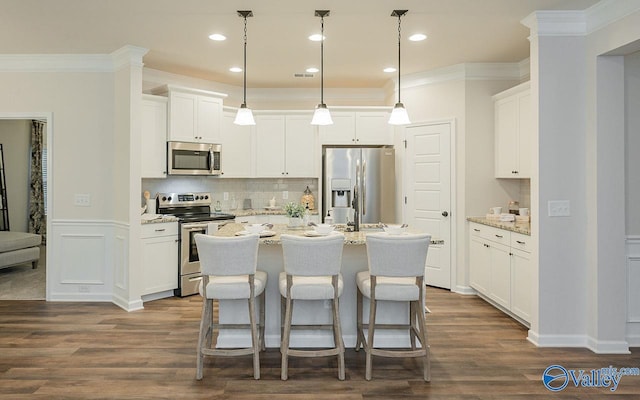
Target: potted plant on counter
{"type": "Point", "coordinates": [295, 212]}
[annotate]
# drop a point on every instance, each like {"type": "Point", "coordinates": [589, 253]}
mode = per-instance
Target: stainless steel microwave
{"type": "Point", "coordinates": [193, 158]}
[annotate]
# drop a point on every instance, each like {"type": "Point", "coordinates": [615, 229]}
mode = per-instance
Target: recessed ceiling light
{"type": "Point", "coordinates": [217, 37]}
{"type": "Point", "coordinates": [417, 37]}
{"type": "Point", "coordinates": [235, 69]}
{"type": "Point", "coordinates": [389, 69]}
{"type": "Point", "coordinates": [317, 37]}
{"type": "Point", "coordinates": [312, 70]}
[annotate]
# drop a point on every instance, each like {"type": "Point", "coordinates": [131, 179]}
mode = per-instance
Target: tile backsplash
{"type": "Point", "coordinates": [259, 190]}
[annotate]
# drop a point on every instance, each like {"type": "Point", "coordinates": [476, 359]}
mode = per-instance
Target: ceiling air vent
{"type": "Point", "coordinates": [303, 75]}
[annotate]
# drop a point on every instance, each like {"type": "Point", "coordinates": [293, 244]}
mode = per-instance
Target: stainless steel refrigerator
{"type": "Point", "coordinates": [366, 174]}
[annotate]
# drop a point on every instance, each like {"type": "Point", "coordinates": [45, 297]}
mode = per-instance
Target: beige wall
{"type": "Point", "coordinates": [632, 148]}
{"type": "Point", "coordinates": [15, 137]}
{"type": "Point", "coordinates": [82, 148]}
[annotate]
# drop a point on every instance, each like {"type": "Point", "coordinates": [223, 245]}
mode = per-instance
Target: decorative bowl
{"type": "Point", "coordinates": [394, 229]}
{"type": "Point", "coordinates": [254, 228]}
{"type": "Point", "coordinates": [323, 229]}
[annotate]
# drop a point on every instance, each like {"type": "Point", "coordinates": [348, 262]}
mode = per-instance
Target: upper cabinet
{"type": "Point", "coordinates": [513, 132]}
{"type": "Point", "coordinates": [285, 146]}
{"type": "Point", "coordinates": [154, 137]}
{"type": "Point", "coordinates": [237, 148]}
{"type": "Point", "coordinates": [194, 115]}
{"type": "Point", "coordinates": [357, 128]}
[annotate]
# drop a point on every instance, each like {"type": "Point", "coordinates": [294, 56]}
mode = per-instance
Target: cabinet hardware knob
{"type": "Point", "coordinates": [445, 214]}
{"type": "Point", "coordinates": [160, 230]}
{"type": "Point", "coordinates": [499, 236]}
{"type": "Point", "coordinates": [477, 230]}
{"type": "Point", "coordinates": [520, 242]}
{"type": "Point", "coordinates": [510, 254]}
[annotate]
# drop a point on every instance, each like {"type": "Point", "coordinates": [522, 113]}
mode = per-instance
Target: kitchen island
{"type": "Point", "coordinates": [354, 259]}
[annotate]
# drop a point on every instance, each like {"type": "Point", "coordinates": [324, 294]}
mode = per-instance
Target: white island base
{"type": "Point", "coordinates": [354, 259]}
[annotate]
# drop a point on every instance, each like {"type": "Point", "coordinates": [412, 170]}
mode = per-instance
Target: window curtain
{"type": "Point", "coordinates": [37, 217]}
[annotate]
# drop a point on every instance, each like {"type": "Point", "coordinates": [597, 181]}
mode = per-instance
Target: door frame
{"type": "Point", "coordinates": [454, 207]}
{"type": "Point", "coordinates": [48, 117]}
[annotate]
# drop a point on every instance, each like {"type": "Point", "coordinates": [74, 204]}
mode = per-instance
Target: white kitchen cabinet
{"type": "Point", "coordinates": [237, 148]}
{"type": "Point", "coordinates": [521, 276]}
{"type": "Point", "coordinates": [357, 128]}
{"type": "Point", "coordinates": [154, 137]}
{"type": "Point", "coordinates": [480, 260]}
{"type": "Point", "coordinates": [513, 132]}
{"type": "Point", "coordinates": [194, 115]}
{"type": "Point", "coordinates": [285, 146]}
{"type": "Point", "coordinates": [159, 257]}
{"type": "Point", "coordinates": [500, 268]}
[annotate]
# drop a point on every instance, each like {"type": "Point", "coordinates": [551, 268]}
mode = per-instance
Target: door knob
{"type": "Point", "coordinates": [445, 214]}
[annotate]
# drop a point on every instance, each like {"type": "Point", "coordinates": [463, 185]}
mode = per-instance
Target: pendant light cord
{"type": "Point", "coordinates": [399, 37]}
{"type": "Point", "coordinates": [244, 83]}
{"type": "Point", "coordinates": [322, 60]}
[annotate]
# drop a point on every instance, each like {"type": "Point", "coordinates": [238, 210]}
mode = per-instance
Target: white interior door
{"type": "Point", "coordinates": [428, 194]}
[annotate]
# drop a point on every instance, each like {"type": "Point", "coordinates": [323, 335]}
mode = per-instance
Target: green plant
{"type": "Point", "coordinates": [294, 210]}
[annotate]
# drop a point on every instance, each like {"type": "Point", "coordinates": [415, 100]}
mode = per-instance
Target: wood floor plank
{"type": "Point", "coordinates": [98, 351]}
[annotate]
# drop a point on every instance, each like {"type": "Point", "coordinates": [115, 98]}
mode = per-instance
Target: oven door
{"type": "Point", "coordinates": [189, 261]}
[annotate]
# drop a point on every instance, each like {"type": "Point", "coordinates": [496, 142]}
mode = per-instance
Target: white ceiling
{"type": "Point", "coordinates": [361, 36]}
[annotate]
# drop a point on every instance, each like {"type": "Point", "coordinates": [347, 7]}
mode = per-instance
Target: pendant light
{"type": "Point", "coordinates": [399, 114]}
{"type": "Point", "coordinates": [244, 115]}
{"type": "Point", "coordinates": [321, 116]}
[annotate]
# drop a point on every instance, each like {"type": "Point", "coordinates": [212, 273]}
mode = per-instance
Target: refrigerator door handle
{"type": "Point", "coordinates": [364, 186]}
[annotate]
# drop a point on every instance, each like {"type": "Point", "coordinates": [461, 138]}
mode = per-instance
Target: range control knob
{"type": "Point", "coordinates": [197, 197]}
{"type": "Point", "coordinates": [206, 196]}
{"type": "Point", "coordinates": [164, 198]}
{"type": "Point", "coordinates": [169, 198]}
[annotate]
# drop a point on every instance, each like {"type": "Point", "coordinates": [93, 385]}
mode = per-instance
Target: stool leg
{"type": "Point", "coordinates": [254, 338]}
{"type": "Point", "coordinates": [359, 331]}
{"type": "Point", "coordinates": [369, 346]}
{"type": "Point", "coordinates": [204, 328]}
{"type": "Point", "coordinates": [337, 337]}
{"type": "Point", "coordinates": [412, 324]}
{"type": "Point", "coordinates": [425, 344]}
{"type": "Point", "coordinates": [263, 306]}
{"type": "Point", "coordinates": [284, 347]}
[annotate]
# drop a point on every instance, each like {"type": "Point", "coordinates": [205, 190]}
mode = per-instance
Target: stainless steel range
{"type": "Point", "coordinates": [194, 213]}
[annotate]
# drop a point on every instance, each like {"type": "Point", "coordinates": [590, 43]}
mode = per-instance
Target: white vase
{"type": "Point", "coordinates": [295, 222]}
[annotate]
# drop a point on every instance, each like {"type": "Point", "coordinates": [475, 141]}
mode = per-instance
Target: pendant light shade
{"type": "Point", "coordinates": [321, 116]}
{"type": "Point", "coordinates": [399, 114]}
{"type": "Point", "coordinates": [244, 115]}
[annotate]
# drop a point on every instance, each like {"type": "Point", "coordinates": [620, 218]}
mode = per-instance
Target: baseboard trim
{"type": "Point", "coordinates": [608, 346]}
{"type": "Point", "coordinates": [466, 290]}
{"type": "Point", "coordinates": [127, 305]}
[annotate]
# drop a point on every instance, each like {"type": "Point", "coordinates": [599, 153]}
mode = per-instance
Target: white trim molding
{"type": "Point", "coordinates": [579, 23]}
{"type": "Point", "coordinates": [126, 55]}
{"type": "Point", "coordinates": [633, 290]}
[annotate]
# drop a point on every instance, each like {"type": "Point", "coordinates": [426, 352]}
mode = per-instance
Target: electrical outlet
{"type": "Point", "coordinates": [84, 289]}
{"type": "Point", "coordinates": [559, 208]}
{"type": "Point", "coordinates": [285, 195]}
{"type": "Point", "coordinates": [225, 196]}
{"type": "Point", "coordinates": [82, 200]}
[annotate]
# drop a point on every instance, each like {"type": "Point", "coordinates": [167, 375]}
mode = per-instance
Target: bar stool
{"type": "Point", "coordinates": [311, 272]}
{"type": "Point", "coordinates": [229, 272]}
{"type": "Point", "coordinates": [396, 273]}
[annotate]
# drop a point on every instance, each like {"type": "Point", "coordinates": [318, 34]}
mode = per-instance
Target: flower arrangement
{"type": "Point", "coordinates": [294, 210]}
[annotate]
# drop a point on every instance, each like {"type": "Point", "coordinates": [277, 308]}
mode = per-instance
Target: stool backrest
{"type": "Point", "coordinates": [397, 255]}
{"type": "Point", "coordinates": [312, 256]}
{"type": "Point", "coordinates": [236, 255]}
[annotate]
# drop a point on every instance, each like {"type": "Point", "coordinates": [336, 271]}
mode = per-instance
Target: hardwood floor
{"type": "Point", "coordinates": [97, 350]}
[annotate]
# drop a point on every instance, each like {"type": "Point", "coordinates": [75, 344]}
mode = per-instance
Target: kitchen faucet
{"type": "Point", "coordinates": [356, 210]}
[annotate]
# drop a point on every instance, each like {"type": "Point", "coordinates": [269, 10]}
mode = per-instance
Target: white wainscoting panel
{"type": "Point", "coordinates": [633, 290]}
{"type": "Point", "coordinates": [79, 266]}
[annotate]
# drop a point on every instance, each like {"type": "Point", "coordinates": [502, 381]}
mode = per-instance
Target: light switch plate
{"type": "Point", "coordinates": [559, 208]}
{"type": "Point", "coordinates": [225, 196]}
{"type": "Point", "coordinates": [82, 200]}
{"type": "Point", "coordinates": [285, 195]}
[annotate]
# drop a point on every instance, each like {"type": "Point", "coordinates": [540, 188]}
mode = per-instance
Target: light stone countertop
{"type": "Point", "coordinates": [351, 238]}
{"type": "Point", "coordinates": [262, 211]}
{"type": "Point", "coordinates": [523, 228]}
{"type": "Point", "coordinates": [161, 218]}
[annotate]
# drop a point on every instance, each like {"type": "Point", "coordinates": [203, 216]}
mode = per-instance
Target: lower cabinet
{"type": "Point", "coordinates": [159, 257]}
{"type": "Point", "coordinates": [500, 268]}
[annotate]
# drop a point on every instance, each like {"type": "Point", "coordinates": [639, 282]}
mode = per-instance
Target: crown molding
{"type": "Point", "coordinates": [579, 23]}
{"type": "Point", "coordinates": [468, 72]}
{"type": "Point", "coordinates": [127, 55]}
